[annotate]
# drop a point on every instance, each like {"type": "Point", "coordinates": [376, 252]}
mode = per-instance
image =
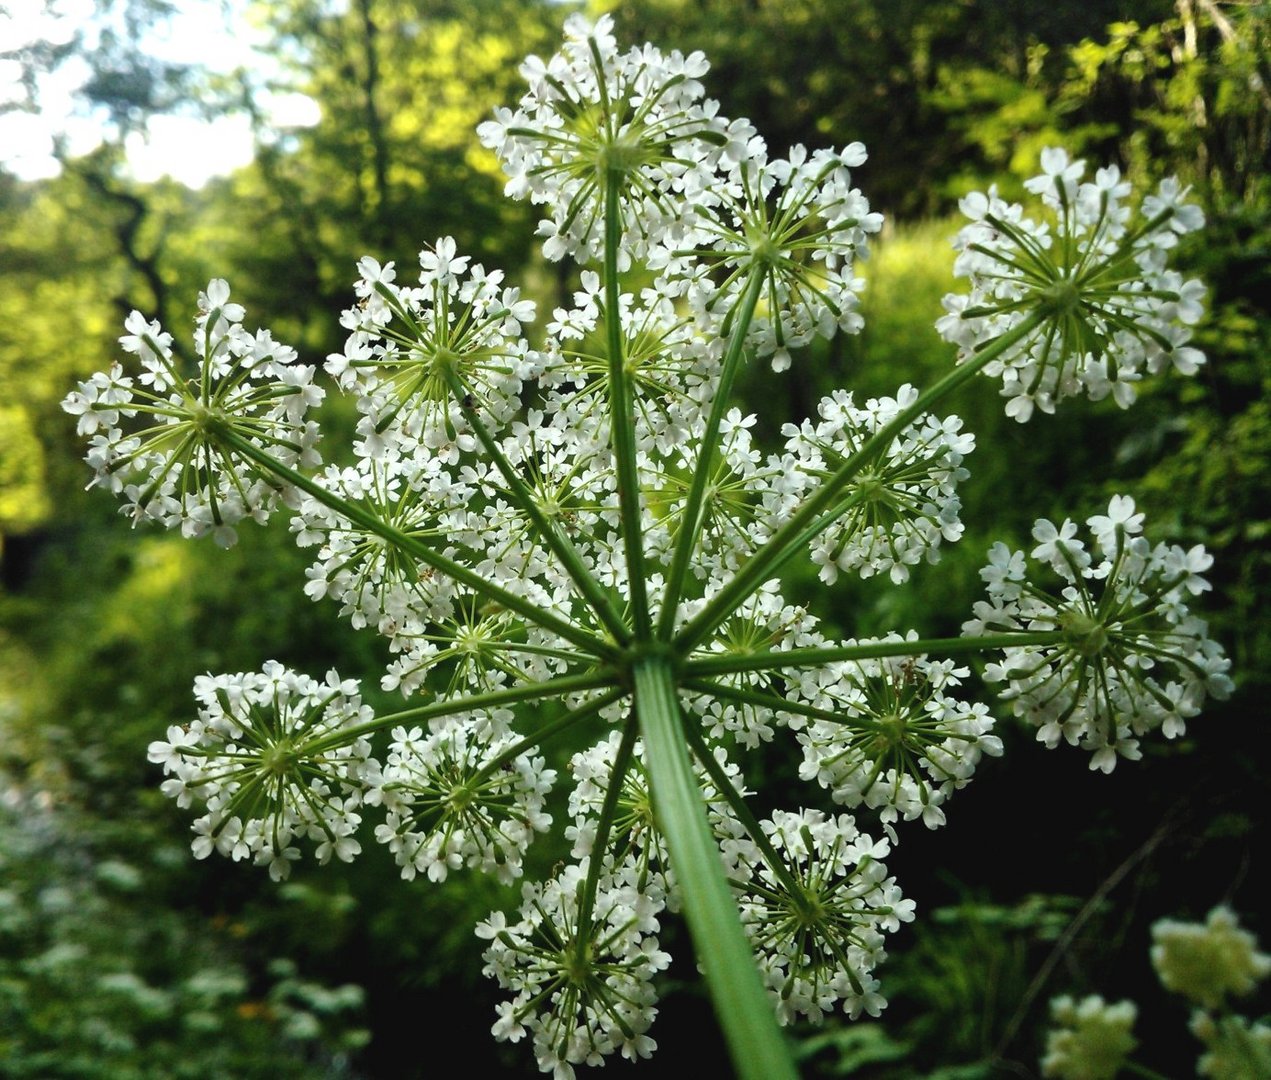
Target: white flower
{"type": "Point", "coordinates": [534, 530]}
{"type": "Point", "coordinates": [1124, 655]}
{"type": "Point", "coordinates": [894, 737]}
{"type": "Point", "coordinates": [1093, 1040]}
{"type": "Point", "coordinates": [590, 111]}
{"type": "Point", "coordinates": [581, 979]}
{"type": "Point", "coordinates": [1206, 962]}
{"type": "Point", "coordinates": [1106, 305]}
{"type": "Point", "coordinates": [406, 344]}
{"type": "Point", "coordinates": [829, 902]}
{"type": "Point", "coordinates": [276, 758]}
{"type": "Point", "coordinates": [1120, 521]}
{"type": "Point", "coordinates": [183, 468]}
{"type": "Point", "coordinates": [457, 798]}
{"type": "Point", "coordinates": [900, 508]}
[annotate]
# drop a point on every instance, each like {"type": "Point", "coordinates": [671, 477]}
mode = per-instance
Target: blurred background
{"type": "Point", "coordinates": [147, 146]}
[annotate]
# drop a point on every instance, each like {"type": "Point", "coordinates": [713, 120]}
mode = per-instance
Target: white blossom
{"type": "Point", "coordinates": [1207, 962]}
{"type": "Point", "coordinates": [831, 901]}
{"type": "Point", "coordinates": [276, 757]}
{"type": "Point", "coordinates": [1109, 307]}
{"type": "Point", "coordinates": [1125, 655]}
{"type": "Point", "coordinates": [523, 589]}
{"type": "Point", "coordinates": [1093, 1038]}
{"type": "Point", "coordinates": [164, 441]}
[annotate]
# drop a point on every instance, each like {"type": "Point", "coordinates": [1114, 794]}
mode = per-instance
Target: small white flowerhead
{"type": "Point", "coordinates": [1092, 1038]}
{"type": "Point", "coordinates": [1210, 961]}
{"type": "Point", "coordinates": [191, 464]}
{"type": "Point", "coordinates": [1117, 652]}
{"type": "Point", "coordinates": [843, 904]}
{"type": "Point", "coordinates": [593, 113]}
{"type": "Point", "coordinates": [1084, 295]}
{"type": "Point", "coordinates": [276, 758]}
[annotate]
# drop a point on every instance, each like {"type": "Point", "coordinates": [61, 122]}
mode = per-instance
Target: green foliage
{"type": "Point", "coordinates": [1182, 90]}
{"type": "Point", "coordinates": [826, 72]}
{"type": "Point", "coordinates": [24, 502]}
{"type": "Point", "coordinates": [56, 261]}
{"type": "Point", "coordinates": [969, 972]}
{"type": "Point", "coordinates": [844, 1051]}
{"type": "Point", "coordinates": [101, 977]}
{"type": "Point", "coordinates": [392, 164]}
{"type": "Point", "coordinates": [954, 993]}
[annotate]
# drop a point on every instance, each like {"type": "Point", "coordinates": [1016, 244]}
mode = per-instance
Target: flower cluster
{"type": "Point", "coordinates": [591, 110]}
{"type": "Point", "coordinates": [802, 221]}
{"type": "Point", "coordinates": [816, 914]}
{"type": "Point", "coordinates": [1093, 1040]}
{"type": "Point", "coordinates": [891, 735]}
{"type": "Point", "coordinates": [1117, 653]}
{"type": "Point", "coordinates": [456, 798]}
{"type": "Point", "coordinates": [898, 509]}
{"type": "Point", "coordinates": [1090, 286]}
{"type": "Point", "coordinates": [701, 201]}
{"type": "Point", "coordinates": [375, 583]}
{"type": "Point", "coordinates": [581, 971]}
{"type": "Point", "coordinates": [1235, 1046]}
{"type": "Point", "coordinates": [409, 346]}
{"type": "Point", "coordinates": [181, 460]}
{"type": "Point", "coordinates": [590, 523]}
{"type": "Point", "coordinates": [276, 757]}
{"type": "Point", "coordinates": [636, 849]}
{"type": "Point", "coordinates": [1210, 963]}
{"type": "Point", "coordinates": [1206, 962]}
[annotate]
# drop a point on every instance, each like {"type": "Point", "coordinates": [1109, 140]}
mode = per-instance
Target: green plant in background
{"type": "Point", "coordinates": [960, 982]}
{"type": "Point", "coordinates": [1208, 964]}
{"type": "Point", "coordinates": [99, 979]}
{"type": "Point", "coordinates": [589, 523]}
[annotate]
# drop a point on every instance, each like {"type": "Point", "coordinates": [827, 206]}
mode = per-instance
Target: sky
{"type": "Point", "coordinates": [209, 32]}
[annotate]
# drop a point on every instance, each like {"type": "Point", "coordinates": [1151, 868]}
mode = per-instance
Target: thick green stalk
{"type": "Point", "coordinates": [725, 663]}
{"type": "Point", "coordinates": [798, 529]}
{"type": "Point", "coordinates": [755, 1041]}
{"type": "Point", "coordinates": [622, 415]}
{"type": "Point", "coordinates": [691, 521]}
{"type": "Point", "coordinates": [588, 586]}
{"type": "Point", "coordinates": [527, 609]}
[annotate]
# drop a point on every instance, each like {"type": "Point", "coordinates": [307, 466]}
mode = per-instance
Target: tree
{"type": "Point", "coordinates": [821, 72]}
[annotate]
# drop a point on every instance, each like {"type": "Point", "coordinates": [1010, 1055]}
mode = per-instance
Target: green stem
{"type": "Point", "coordinates": [541, 735]}
{"type": "Point", "coordinates": [807, 521]}
{"type": "Point", "coordinates": [621, 763]}
{"type": "Point", "coordinates": [775, 704]}
{"type": "Point", "coordinates": [621, 411]}
{"type": "Point", "coordinates": [691, 521]}
{"type": "Point", "coordinates": [588, 586]}
{"type": "Point", "coordinates": [1142, 1070]}
{"type": "Point", "coordinates": [527, 609]}
{"type": "Point", "coordinates": [801, 658]}
{"type": "Point", "coordinates": [738, 804]}
{"type": "Point", "coordinates": [566, 684]}
{"type": "Point", "coordinates": [755, 1042]}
